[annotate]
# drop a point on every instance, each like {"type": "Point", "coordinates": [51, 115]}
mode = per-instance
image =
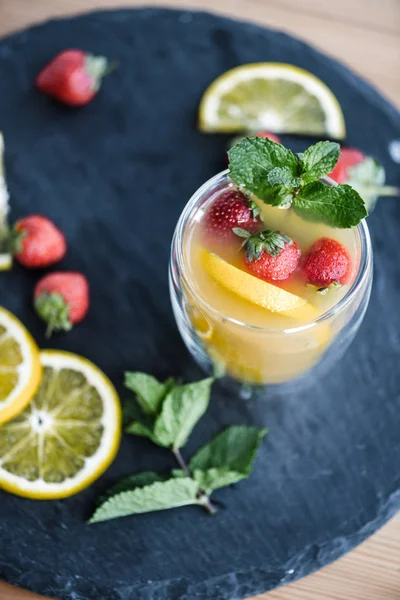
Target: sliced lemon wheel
{"type": "Point", "coordinates": [256, 290]}
{"type": "Point", "coordinates": [5, 262]}
{"type": "Point", "coordinates": [20, 368]}
{"type": "Point", "coordinates": [273, 96]}
{"type": "Point", "coordinates": [67, 436]}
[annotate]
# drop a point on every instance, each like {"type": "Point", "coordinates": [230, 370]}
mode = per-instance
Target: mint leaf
{"type": "Point", "coordinates": [338, 206]}
{"type": "Point", "coordinates": [228, 458]}
{"type": "Point", "coordinates": [318, 160]}
{"type": "Point", "coordinates": [137, 428]}
{"type": "Point", "coordinates": [181, 409]}
{"type": "Point", "coordinates": [252, 159]}
{"type": "Point", "coordinates": [213, 479]}
{"type": "Point", "coordinates": [282, 176]}
{"type": "Point", "coordinates": [132, 482]}
{"type": "Point", "coordinates": [160, 495]}
{"type": "Point", "coordinates": [149, 391]}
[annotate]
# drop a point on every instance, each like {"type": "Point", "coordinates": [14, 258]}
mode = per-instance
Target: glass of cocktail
{"type": "Point", "coordinates": [260, 292]}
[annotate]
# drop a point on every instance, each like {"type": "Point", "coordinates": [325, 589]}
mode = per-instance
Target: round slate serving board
{"type": "Point", "coordinates": [115, 177]}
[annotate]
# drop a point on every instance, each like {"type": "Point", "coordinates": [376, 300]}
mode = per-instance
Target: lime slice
{"type": "Point", "coordinates": [67, 436]}
{"type": "Point", "coordinates": [277, 97]}
{"type": "Point", "coordinates": [20, 369]}
{"type": "Point", "coordinates": [256, 290]}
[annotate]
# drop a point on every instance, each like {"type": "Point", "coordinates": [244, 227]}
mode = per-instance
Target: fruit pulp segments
{"type": "Point", "coordinates": [248, 354]}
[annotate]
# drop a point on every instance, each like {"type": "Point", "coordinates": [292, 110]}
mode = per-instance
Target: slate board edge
{"type": "Point", "coordinates": [235, 584]}
{"type": "Point", "coordinates": [258, 580]}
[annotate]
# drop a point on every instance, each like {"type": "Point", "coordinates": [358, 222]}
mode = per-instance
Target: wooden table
{"type": "Point", "coordinates": [365, 34]}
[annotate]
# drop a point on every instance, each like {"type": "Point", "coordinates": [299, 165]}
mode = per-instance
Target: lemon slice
{"type": "Point", "coordinates": [5, 258]}
{"type": "Point", "coordinates": [67, 436]}
{"type": "Point", "coordinates": [20, 368]}
{"type": "Point", "coordinates": [256, 290]}
{"type": "Point", "coordinates": [5, 262]}
{"type": "Point", "coordinates": [273, 96]}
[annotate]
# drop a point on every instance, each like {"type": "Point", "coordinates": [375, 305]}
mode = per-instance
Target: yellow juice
{"type": "Point", "coordinates": [245, 339]}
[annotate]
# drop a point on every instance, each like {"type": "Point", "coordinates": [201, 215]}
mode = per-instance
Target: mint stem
{"type": "Point", "coordinates": [203, 498]}
{"type": "Point", "coordinates": [180, 460]}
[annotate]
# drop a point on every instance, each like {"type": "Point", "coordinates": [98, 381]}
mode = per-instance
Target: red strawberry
{"type": "Point", "coordinates": [349, 157]}
{"type": "Point", "coordinates": [36, 242]}
{"type": "Point", "coordinates": [268, 135]}
{"type": "Point", "coordinates": [270, 255]}
{"type": "Point", "coordinates": [326, 263]}
{"type": "Point", "coordinates": [231, 209]}
{"type": "Point", "coordinates": [62, 300]}
{"type": "Point", "coordinates": [73, 76]}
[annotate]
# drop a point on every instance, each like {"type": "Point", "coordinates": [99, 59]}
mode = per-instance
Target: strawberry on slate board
{"type": "Point", "coordinates": [73, 77]}
{"type": "Point", "coordinates": [365, 174]}
{"type": "Point", "coordinates": [270, 255]}
{"type": "Point", "coordinates": [231, 209]}
{"type": "Point", "coordinates": [327, 263]}
{"type": "Point", "coordinates": [36, 242]}
{"type": "Point", "coordinates": [62, 300]}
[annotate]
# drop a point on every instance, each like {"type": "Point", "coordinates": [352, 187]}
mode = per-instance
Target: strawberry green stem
{"type": "Point", "coordinates": [52, 308]}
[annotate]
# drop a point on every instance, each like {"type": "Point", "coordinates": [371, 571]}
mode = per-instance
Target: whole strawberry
{"type": "Point", "coordinates": [365, 174]}
{"type": "Point", "coordinates": [267, 135]}
{"type": "Point", "coordinates": [73, 77]}
{"type": "Point", "coordinates": [36, 242]}
{"type": "Point", "coordinates": [270, 255]}
{"type": "Point", "coordinates": [349, 157]}
{"type": "Point", "coordinates": [327, 263]}
{"type": "Point", "coordinates": [231, 209]}
{"type": "Point", "coordinates": [62, 300]}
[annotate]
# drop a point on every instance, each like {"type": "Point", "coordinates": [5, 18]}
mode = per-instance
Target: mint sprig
{"type": "Point", "coordinates": [281, 178]}
{"type": "Point", "coordinates": [175, 410]}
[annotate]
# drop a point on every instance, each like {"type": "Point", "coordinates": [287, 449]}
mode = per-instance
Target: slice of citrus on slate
{"type": "Point", "coordinates": [5, 257]}
{"type": "Point", "coordinates": [277, 97]}
{"type": "Point", "coordinates": [20, 368]}
{"type": "Point", "coordinates": [67, 436]}
{"type": "Point", "coordinates": [255, 290]}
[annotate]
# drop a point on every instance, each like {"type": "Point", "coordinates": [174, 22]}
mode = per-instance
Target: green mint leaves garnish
{"type": "Point", "coordinates": [318, 160]}
{"type": "Point", "coordinates": [167, 413]}
{"type": "Point", "coordinates": [269, 241]}
{"type": "Point", "coordinates": [179, 409]}
{"type": "Point", "coordinates": [228, 458]}
{"type": "Point", "coordinates": [281, 178]}
{"type": "Point", "coordinates": [338, 206]}
{"type": "Point", "coordinates": [160, 495]}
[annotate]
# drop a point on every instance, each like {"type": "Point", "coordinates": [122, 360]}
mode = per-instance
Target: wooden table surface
{"type": "Point", "coordinates": [364, 34]}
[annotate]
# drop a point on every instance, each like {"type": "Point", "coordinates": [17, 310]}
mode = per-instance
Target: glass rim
{"type": "Point", "coordinates": [362, 273]}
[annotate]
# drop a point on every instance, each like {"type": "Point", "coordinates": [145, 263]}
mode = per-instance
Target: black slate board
{"type": "Point", "coordinates": [328, 473]}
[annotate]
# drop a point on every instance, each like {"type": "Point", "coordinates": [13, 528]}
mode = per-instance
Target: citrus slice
{"type": "Point", "coordinates": [20, 368]}
{"type": "Point", "coordinates": [67, 436]}
{"type": "Point", "coordinates": [256, 290]}
{"type": "Point", "coordinates": [5, 261]}
{"type": "Point", "coordinates": [277, 97]}
{"type": "Point", "coordinates": [5, 258]}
